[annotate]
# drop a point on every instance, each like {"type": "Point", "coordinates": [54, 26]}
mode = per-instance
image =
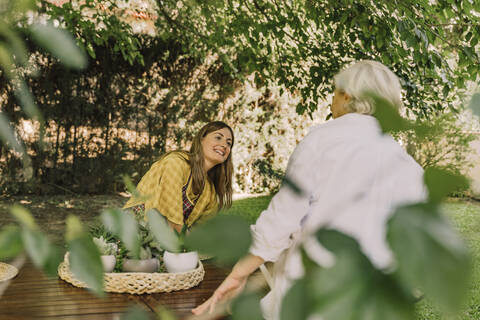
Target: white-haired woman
{"type": "Point", "coordinates": [352, 177]}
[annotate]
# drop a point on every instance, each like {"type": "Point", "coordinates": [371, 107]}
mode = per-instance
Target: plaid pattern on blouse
{"type": "Point", "coordinates": [161, 188]}
{"type": "Point", "coordinates": [187, 204]}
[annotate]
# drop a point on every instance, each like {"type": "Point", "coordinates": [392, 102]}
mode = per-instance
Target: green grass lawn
{"type": "Point", "coordinates": [464, 216]}
{"type": "Point", "coordinates": [249, 208]}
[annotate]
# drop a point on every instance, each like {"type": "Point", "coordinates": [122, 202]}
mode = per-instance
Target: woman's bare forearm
{"type": "Point", "coordinates": [246, 266]}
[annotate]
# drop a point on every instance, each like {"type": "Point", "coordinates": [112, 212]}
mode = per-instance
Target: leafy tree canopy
{"type": "Point", "coordinates": [431, 45]}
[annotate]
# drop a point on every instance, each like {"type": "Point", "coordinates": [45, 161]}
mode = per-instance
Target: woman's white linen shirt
{"type": "Point", "coordinates": [352, 176]}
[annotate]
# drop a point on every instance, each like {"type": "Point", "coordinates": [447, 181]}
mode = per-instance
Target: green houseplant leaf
{"type": "Point", "coordinates": [26, 99]}
{"type": "Point", "coordinates": [295, 304]}
{"type": "Point", "coordinates": [387, 115]}
{"type": "Point", "coordinates": [84, 256]}
{"type": "Point", "coordinates": [60, 43]}
{"type": "Point", "coordinates": [441, 182]}
{"type": "Point", "coordinates": [23, 216]}
{"type": "Point", "coordinates": [226, 237]}
{"type": "Point", "coordinates": [136, 313]}
{"type": "Point", "coordinates": [6, 62]}
{"type": "Point", "coordinates": [124, 226]}
{"type": "Point", "coordinates": [131, 188]}
{"type": "Point", "coordinates": [247, 307]}
{"type": "Point", "coordinates": [16, 44]}
{"type": "Point", "coordinates": [37, 246]}
{"type": "Point", "coordinates": [356, 293]}
{"type": "Point", "coordinates": [43, 253]}
{"type": "Point", "coordinates": [55, 257]}
{"type": "Point", "coordinates": [10, 242]}
{"type": "Point", "coordinates": [162, 232]}
{"type": "Point", "coordinates": [474, 104]}
{"type": "Point", "coordinates": [430, 255]}
{"type": "Point", "coordinates": [7, 136]}
{"type": "Point", "coordinates": [350, 289]}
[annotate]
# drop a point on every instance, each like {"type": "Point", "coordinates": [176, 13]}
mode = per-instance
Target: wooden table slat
{"type": "Point", "coordinates": [32, 295]}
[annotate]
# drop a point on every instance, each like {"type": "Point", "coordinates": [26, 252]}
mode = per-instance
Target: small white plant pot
{"type": "Point", "coordinates": [180, 262]}
{"type": "Point", "coordinates": [146, 265]}
{"type": "Point", "coordinates": [108, 263]}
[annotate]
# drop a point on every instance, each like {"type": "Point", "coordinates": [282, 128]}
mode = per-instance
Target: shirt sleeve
{"type": "Point", "coordinates": [165, 188]}
{"type": "Point", "coordinates": [273, 229]}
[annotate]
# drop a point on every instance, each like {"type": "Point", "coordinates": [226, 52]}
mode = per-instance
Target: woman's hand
{"type": "Point", "coordinates": [229, 288]}
{"type": "Point", "coordinates": [233, 284]}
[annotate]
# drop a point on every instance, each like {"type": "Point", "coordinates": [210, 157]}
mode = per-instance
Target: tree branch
{"type": "Point", "coordinates": [430, 28]}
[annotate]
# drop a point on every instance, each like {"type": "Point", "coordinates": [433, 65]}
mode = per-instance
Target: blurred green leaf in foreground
{"type": "Point", "coordinates": [350, 289]}
{"type": "Point", "coordinates": [84, 256]}
{"type": "Point", "coordinates": [125, 227]}
{"type": "Point", "coordinates": [225, 237]}
{"type": "Point", "coordinates": [430, 255]}
{"type": "Point", "coordinates": [475, 104]}
{"type": "Point", "coordinates": [41, 251]}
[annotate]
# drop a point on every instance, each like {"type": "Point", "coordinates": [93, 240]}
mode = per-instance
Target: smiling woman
{"type": "Point", "coordinates": [187, 186]}
{"type": "Point", "coordinates": [216, 147]}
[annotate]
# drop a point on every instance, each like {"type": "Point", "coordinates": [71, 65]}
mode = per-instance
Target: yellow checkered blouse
{"type": "Point", "coordinates": [161, 188]}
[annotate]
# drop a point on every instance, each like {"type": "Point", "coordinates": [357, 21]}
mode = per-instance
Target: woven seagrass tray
{"type": "Point", "coordinates": [7, 271]}
{"type": "Point", "coordinates": [139, 282]}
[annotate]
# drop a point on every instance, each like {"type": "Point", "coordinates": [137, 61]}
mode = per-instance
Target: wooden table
{"type": "Point", "coordinates": [32, 295]}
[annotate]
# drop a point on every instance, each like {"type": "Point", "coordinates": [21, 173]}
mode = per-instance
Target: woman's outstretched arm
{"type": "Point", "coordinates": [233, 283]}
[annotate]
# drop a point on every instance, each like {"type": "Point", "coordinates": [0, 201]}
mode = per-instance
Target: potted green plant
{"type": "Point", "coordinates": [108, 251]}
{"type": "Point", "coordinates": [146, 262]}
{"type": "Point", "coordinates": [183, 260]}
{"type": "Point", "coordinates": [176, 257]}
{"type": "Point", "coordinates": [149, 252]}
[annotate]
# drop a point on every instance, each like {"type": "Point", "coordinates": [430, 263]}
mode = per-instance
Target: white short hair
{"type": "Point", "coordinates": [364, 77]}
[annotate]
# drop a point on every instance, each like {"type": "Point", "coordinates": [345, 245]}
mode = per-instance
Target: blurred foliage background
{"type": "Point", "coordinates": [158, 70]}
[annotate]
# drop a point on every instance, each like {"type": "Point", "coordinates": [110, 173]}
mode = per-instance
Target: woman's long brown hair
{"type": "Point", "coordinates": [221, 175]}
